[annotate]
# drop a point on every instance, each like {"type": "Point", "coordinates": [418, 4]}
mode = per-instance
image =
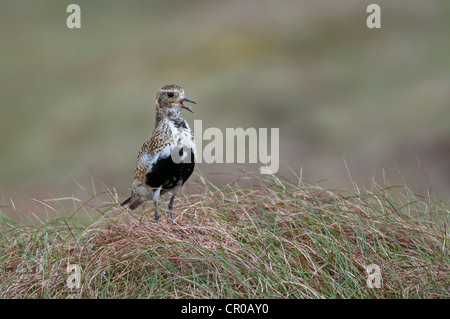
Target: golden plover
{"type": "Point", "coordinates": [167, 158]}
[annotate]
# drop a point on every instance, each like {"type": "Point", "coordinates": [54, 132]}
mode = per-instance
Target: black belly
{"type": "Point", "coordinates": [167, 174]}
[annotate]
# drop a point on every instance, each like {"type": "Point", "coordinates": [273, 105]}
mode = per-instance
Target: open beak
{"type": "Point", "coordinates": [185, 106]}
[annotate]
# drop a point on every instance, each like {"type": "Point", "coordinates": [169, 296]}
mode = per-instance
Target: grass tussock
{"type": "Point", "coordinates": [277, 240]}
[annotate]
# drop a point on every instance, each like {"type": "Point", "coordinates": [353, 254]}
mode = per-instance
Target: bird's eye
{"type": "Point", "coordinates": [170, 94]}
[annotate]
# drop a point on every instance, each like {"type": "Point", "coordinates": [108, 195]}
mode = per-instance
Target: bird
{"type": "Point", "coordinates": [167, 159]}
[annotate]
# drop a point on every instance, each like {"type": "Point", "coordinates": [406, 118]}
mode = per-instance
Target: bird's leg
{"type": "Point", "coordinates": [156, 211]}
{"type": "Point", "coordinates": [171, 208]}
{"type": "Point", "coordinates": [171, 203]}
{"type": "Point", "coordinates": [155, 202]}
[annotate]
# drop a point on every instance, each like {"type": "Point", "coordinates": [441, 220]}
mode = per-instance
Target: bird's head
{"type": "Point", "coordinates": [171, 97]}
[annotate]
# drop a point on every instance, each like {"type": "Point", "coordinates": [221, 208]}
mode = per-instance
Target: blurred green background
{"type": "Point", "coordinates": [77, 103]}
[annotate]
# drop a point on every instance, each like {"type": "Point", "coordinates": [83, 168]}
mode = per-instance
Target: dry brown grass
{"type": "Point", "coordinates": [277, 240]}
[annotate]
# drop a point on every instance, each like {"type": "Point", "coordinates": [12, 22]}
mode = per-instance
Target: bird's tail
{"type": "Point", "coordinates": [133, 201]}
{"type": "Point", "coordinates": [126, 201]}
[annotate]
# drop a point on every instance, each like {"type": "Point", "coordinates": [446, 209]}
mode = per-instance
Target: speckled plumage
{"type": "Point", "coordinates": [167, 159]}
